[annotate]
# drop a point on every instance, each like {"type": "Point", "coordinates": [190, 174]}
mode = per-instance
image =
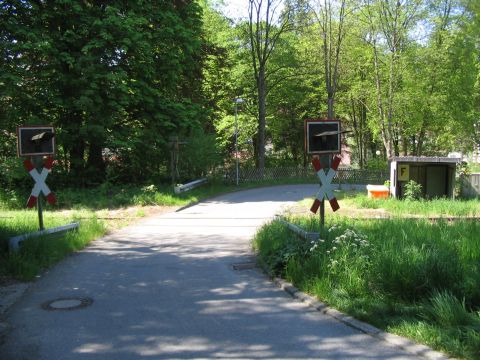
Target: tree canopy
{"type": "Point", "coordinates": [120, 79]}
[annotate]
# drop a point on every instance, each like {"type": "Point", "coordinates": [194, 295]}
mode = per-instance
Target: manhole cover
{"type": "Point", "coordinates": [63, 304]}
{"type": "Point", "coordinates": [244, 266]}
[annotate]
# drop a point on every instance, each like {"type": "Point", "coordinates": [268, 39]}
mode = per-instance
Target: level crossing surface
{"type": "Point", "coordinates": [164, 288]}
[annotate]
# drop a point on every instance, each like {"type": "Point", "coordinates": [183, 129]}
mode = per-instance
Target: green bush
{"type": "Point", "coordinates": [412, 277]}
{"type": "Point", "coordinates": [38, 253]}
{"type": "Point", "coordinates": [376, 163]}
{"type": "Point", "coordinates": [413, 191]}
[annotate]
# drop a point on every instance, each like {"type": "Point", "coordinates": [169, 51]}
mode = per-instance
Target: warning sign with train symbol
{"type": "Point", "coordinates": [323, 141]}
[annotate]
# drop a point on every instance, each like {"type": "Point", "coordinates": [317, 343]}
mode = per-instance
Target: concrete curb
{"type": "Point", "coordinates": [398, 341]}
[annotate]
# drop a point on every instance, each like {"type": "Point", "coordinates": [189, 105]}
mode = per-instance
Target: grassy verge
{"type": "Point", "coordinates": [410, 277]}
{"type": "Point", "coordinates": [109, 196]}
{"type": "Point", "coordinates": [39, 253]}
{"type": "Point", "coordinates": [436, 207]}
{"type": "Point", "coordinates": [99, 210]}
{"type": "Point", "coordinates": [352, 200]}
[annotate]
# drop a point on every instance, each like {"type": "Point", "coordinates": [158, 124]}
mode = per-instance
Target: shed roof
{"type": "Point", "coordinates": [426, 159]}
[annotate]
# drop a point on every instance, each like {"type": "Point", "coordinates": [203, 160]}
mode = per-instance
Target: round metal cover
{"type": "Point", "coordinates": [70, 303]}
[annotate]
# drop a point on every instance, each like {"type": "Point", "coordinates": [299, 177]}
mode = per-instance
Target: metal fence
{"type": "Point", "coordinates": [343, 176]}
{"type": "Point", "coordinates": [471, 185]}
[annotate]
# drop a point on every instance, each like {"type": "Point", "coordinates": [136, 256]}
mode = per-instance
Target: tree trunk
{"type": "Point", "coordinates": [261, 119]}
{"type": "Point", "coordinates": [95, 169]}
{"type": "Point", "coordinates": [331, 112]}
{"type": "Point", "coordinates": [77, 168]}
{"type": "Point", "coordinates": [386, 135]}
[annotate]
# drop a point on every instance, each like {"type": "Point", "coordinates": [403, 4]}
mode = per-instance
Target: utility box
{"type": "Point", "coordinates": [435, 174]}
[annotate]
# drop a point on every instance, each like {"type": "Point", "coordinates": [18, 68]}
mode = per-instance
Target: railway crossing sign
{"type": "Point", "coordinates": [35, 140]}
{"type": "Point", "coordinates": [40, 185]}
{"type": "Point", "coordinates": [322, 136]}
{"type": "Point", "coordinates": [326, 189]}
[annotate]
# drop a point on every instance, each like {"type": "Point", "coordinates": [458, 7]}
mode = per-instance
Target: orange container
{"type": "Point", "coordinates": [378, 191]}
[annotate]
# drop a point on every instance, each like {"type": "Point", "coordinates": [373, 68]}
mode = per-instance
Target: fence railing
{"type": "Point", "coordinates": [343, 176]}
{"type": "Point", "coordinates": [470, 185]}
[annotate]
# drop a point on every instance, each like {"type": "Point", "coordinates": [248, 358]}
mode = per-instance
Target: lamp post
{"type": "Point", "coordinates": [237, 101]}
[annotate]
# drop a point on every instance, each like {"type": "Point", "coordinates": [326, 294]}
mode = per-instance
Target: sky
{"type": "Point", "coordinates": [235, 9]}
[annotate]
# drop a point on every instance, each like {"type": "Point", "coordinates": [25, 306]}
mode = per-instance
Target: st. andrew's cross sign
{"type": "Point", "coordinates": [40, 185]}
{"type": "Point", "coordinates": [36, 141]}
{"type": "Point", "coordinates": [326, 189]}
{"type": "Point", "coordinates": [323, 138]}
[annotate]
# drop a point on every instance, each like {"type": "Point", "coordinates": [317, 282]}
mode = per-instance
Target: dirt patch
{"type": "Point", "coordinates": [343, 211]}
{"type": "Point", "coordinates": [118, 218]}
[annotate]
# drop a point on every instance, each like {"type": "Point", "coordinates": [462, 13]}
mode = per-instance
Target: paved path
{"type": "Point", "coordinates": [165, 288]}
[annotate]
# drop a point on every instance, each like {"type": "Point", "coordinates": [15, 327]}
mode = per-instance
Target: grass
{"type": "Point", "coordinates": [474, 167]}
{"type": "Point", "coordinates": [108, 196]}
{"type": "Point", "coordinates": [37, 254]}
{"type": "Point", "coordinates": [395, 207]}
{"type": "Point", "coordinates": [411, 277]}
{"type": "Point", "coordinates": [93, 208]}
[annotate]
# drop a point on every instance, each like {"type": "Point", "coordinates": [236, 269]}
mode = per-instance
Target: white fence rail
{"type": "Point", "coordinates": [191, 185]}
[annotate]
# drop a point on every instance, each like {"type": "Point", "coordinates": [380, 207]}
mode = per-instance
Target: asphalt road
{"type": "Point", "coordinates": [165, 288]}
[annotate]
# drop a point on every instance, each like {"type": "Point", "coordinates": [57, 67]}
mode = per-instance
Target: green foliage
{"type": "Point", "coordinates": [376, 163]}
{"type": "Point", "coordinates": [199, 157]}
{"type": "Point", "coordinates": [116, 80]}
{"type": "Point", "coordinates": [434, 207]}
{"type": "Point", "coordinates": [277, 254]}
{"type": "Point", "coordinates": [412, 277]}
{"type": "Point", "coordinates": [39, 253]}
{"type": "Point", "coordinates": [474, 168]}
{"type": "Point", "coordinates": [413, 191]}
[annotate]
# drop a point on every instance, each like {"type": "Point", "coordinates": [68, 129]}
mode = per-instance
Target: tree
{"type": "Point", "coordinates": [390, 22]}
{"type": "Point", "coordinates": [330, 18]}
{"type": "Point", "coordinates": [266, 23]}
{"type": "Point", "coordinates": [116, 78]}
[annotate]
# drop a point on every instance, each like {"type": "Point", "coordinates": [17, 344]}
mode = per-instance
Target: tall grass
{"type": "Point", "coordinates": [434, 207]}
{"type": "Point", "coordinates": [109, 196]}
{"type": "Point", "coordinates": [42, 252]}
{"type": "Point", "coordinates": [398, 274]}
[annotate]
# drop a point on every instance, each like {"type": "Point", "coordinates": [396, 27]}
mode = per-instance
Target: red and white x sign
{"type": "Point", "coordinates": [326, 190]}
{"type": "Point", "coordinates": [40, 185]}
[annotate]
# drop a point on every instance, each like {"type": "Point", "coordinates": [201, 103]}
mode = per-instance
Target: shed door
{"type": "Point", "coordinates": [436, 180]}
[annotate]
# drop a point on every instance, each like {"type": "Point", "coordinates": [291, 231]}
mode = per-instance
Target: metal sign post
{"type": "Point", "coordinates": [39, 174]}
{"type": "Point", "coordinates": [323, 138]}
{"type": "Point", "coordinates": [174, 153]}
{"type": "Point", "coordinates": [36, 141]}
{"type": "Point", "coordinates": [37, 160]}
{"type": "Point", "coordinates": [326, 189]}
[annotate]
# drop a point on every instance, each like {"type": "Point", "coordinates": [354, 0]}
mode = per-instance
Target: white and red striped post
{"type": "Point", "coordinates": [326, 189]}
{"type": "Point", "coordinates": [40, 186]}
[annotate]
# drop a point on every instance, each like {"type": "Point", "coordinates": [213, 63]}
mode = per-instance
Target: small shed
{"type": "Point", "coordinates": [435, 174]}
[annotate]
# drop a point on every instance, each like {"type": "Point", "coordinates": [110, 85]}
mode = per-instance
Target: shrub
{"type": "Point", "coordinates": [413, 190]}
{"type": "Point", "coordinates": [376, 163]}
